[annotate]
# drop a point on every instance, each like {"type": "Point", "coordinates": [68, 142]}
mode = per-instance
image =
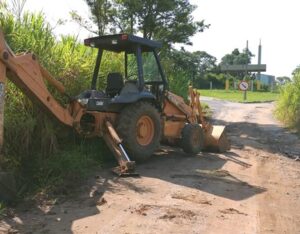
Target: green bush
{"type": "Point", "coordinates": [288, 105]}
{"type": "Point", "coordinates": [179, 84]}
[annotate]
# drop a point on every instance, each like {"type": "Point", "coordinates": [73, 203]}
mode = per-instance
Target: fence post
{"type": "Point", "coordinates": [226, 84]}
{"type": "Point", "coordinates": [258, 84]}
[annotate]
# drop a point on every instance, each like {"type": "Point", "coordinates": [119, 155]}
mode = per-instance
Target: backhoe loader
{"type": "Point", "coordinates": [133, 114]}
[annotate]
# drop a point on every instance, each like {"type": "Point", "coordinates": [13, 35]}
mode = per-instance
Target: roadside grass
{"type": "Point", "coordinates": [288, 105]}
{"type": "Point", "coordinates": [238, 96]}
{"type": "Point", "coordinates": [63, 171]}
{"type": "Point", "coordinates": [2, 209]}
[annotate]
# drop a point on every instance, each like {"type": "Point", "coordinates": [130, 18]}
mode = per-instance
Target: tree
{"type": "Point", "coordinates": [297, 70]}
{"type": "Point", "coordinates": [196, 62]}
{"type": "Point", "coordinates": [206, 62]}
{"type": "Point", "coordinates": [283, 79]}
{"type": "Point", "coordinates": [170, 21]}
{"type": "Point", "coordinates": [237, 58]}
{"type": "Point", "coordinates": [194, 65]}
{"type": "Point", "coordinates": [101, 11]}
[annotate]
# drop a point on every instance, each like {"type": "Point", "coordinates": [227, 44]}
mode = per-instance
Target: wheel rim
{"type": "Point", "coordinates": [145, 130]}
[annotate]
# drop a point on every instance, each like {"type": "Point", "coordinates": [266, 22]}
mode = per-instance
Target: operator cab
{"type": "Point", "coordinates": [141, 75]}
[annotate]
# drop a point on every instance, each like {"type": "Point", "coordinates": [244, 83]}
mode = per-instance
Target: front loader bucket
{"type": "Point", "coordinates": [215, 139]}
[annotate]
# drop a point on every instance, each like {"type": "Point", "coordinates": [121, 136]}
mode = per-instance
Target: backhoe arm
{"type": "Point", "coordinates": [27, 74]}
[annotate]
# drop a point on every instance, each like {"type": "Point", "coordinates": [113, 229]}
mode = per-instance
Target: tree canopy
{"type": "Point", "coordinates": [195, 63]}
{"type": "Point", "coordinates": [189, 68]}
{"type": "Point", "coordinates": [169, 21]}
{"type": "Point", "coordinates": [283, 79]}
{"type": "Point", "coordinates": [236, 57]}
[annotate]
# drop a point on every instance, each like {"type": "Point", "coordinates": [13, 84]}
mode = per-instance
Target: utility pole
{"type": "Point", "coordinates": [259, 62]}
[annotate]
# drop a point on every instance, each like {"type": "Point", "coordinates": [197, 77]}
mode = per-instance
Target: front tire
{"type": "Point", "coordinates": [140, 128]}
{"type": "Point", "coordinates": [192, 138]}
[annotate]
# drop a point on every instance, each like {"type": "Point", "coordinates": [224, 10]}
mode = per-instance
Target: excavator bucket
{"type": "Point", "coordinates": [215, 139]}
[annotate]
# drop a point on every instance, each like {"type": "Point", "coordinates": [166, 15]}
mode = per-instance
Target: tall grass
{"type": "Point", "coordinates": [288, 105]}
{"type": "Point", "coordinates": [2, 209]}
{"type": "Point", "coordinates": [27, 129]}
{"type": "Point", "coordinates": [41, 152]}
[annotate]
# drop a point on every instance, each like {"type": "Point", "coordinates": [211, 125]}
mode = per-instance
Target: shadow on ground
{"type": "Point", "coordinates": [203, 172]}
{"type": "Point", "coordinates": [266, 137]}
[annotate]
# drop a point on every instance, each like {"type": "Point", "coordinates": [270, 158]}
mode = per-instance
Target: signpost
{"type": "Point", "coordinates": [243, 85]}
{"type": "Point", "coordinates": [245, 68]}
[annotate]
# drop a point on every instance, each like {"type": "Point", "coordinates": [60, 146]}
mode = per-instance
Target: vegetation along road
{"type": "Point", "coordinates": [253, 188]}
{"type": "Point", "coordinates": [238, 96]}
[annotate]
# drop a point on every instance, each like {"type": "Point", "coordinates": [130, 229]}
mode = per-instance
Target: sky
{"type": "Point", "coordinates": [233, 22]}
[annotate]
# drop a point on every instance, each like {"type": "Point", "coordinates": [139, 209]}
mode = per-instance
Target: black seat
{"type": "Point", "coordinates": [114, 84]}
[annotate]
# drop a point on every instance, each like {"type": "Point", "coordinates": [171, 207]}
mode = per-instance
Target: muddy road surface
{"type": "Point", "coordinates": [253, 188]}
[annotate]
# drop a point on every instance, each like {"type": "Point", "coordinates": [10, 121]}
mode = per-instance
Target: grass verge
{"type": "Point", "coordinates": [62, 171]}
{"type": "Point", "coordinates": [288, 105]}
{"type": "Point", "coordinates": [238, 96]}
{"type": "Point", "coordinates": [2, 209]}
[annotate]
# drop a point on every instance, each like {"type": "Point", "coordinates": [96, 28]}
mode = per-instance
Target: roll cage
{"type": "Point", "coordinates": [129, 44]}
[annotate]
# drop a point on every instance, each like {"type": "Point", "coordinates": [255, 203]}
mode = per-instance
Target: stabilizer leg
{"type": "Point", "coordinates": [126, 166]}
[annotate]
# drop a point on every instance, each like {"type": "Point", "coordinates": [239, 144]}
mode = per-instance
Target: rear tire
{"type": "Point", "coordinates": [140, 128]}
{"type": "Point", "coordinates": [192, 139]}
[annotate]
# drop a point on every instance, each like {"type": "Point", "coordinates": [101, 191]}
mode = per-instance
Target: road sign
{"type": "Point", "coordinates": [243, 85]}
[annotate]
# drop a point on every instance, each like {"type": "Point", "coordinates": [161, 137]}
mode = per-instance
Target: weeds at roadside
{"type": "Point", "coordinates": [2, 209]}
{"type": "Point", "coordinates": [288, 105]}
{"type": "Point", "coordinates": [37, 150]}
{"type": "Point", "coordinates": [66, 169]}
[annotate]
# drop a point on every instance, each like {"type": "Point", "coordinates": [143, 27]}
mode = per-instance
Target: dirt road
{"type": "Point", "coordinates": [254, 188]}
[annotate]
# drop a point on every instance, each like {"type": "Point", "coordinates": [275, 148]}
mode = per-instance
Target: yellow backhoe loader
{"type": "Point", "coordinates": [133, 114]}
